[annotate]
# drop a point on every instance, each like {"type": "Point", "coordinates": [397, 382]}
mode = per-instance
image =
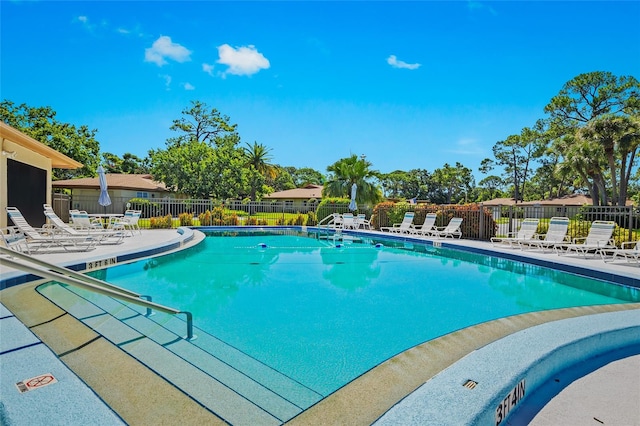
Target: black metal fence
{"type": "Point", "coordinates": [480, 222]}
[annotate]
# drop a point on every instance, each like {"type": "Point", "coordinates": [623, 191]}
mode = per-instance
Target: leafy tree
{"type": "Point", "coordinates": [258, 162]}
{"type": "Point", "coordinates": [454, 183]}
{"type": "Point", "coordinates": [112, 163]}
{"type": "Point", "coordinates": [128, 164]}
{"type": "Point", "coordinates": [204, 160]}
{"type": "Point", "coordinates": [305, 176]}
{"type": "Point", "coordinates": [586, 160]}
{"type": "Point", "coordinates": [412, 184]}
{"type": "Point", "coordinates": [516, 155]}
{"type": "Point", "coordinates": [41, 124]}
{"type": "Point", "coordinates": [595, 112]}
{"type": "Point", "coordinates": [590, 95]}
{"type": "Point", "coordinates": [619, 138]}
{"type": "Point", "coordinates": [132, 164]}
{"type": "Point", "coordinates": [202, 124]}
{"type": "Point", "coordinates": [347, 171]}
{"type": "Point", "coordinates": [282, 181]}
{"type": "Point", "coordinates": [490, 188]}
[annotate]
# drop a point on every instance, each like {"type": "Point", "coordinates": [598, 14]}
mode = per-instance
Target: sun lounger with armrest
{"type": "Point", "coordinates": [104, 236]}
{"type": "Point", "coordinates": [401, 228]}
{"type": "Point", "coordinates": [451, 230]}
{"type": "Point", "coordinates": [427, 226]}
{"type": "Point", "coordinates": [527, 231]}
{"type": "Point", "coordinates": [38, 239]}
{"type": "Point", "coordinates": [556, 234]}
{"type": "Point", "coordinates": [629, 250]}
{"type": "Point", "coordinates": [599, 238]}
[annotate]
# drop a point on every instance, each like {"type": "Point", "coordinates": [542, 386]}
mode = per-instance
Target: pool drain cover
{"type": "Point", "coordinates": [470, 384]}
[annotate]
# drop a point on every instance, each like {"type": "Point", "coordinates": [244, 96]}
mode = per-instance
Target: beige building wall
{"type": "Point", "coordinates": [17, 146]}
{"type": "Point", "coordinates": [12, 150]}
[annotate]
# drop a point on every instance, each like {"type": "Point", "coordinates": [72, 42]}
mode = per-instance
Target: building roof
{"type": "Point", "coordinates": [58, 160]}
{"type": "Point", "coordinates": [499, 202]}
{"type": "Point", "coordinates": [305, 193]}
{"type": "Point", "coordinates": [137, 182]}
{"type": "Point", "coordinates": [567, 200]}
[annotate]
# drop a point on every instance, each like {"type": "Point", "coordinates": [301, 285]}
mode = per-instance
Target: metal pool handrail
{"type": "Point", "coordinates": [67, 276]}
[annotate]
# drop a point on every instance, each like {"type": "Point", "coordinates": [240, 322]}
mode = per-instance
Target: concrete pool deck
{"type": "Point", "coordinates": [362, 401]}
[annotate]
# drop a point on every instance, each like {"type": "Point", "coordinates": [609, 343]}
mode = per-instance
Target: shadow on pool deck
{"type": "Point", "coordinates": [139, 396]}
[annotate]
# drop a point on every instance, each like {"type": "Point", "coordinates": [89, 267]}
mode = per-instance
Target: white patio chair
{"type": "Point", "coordinates": [527, 232]}
{"type": "Point", "coordinates": [599, 238]}
{"type": "Point", "coordinates": [37, 239]}
{"type": "Point", "coordinates": [104, 236]}
{"type": "Point", "coordinates": [629, 250]}
{"type": "Point", "coordinates": [401, 228]}
{"type": "Point", "coordinates": [362, 222]}
{"type": "Point", "coordinates": [81, 220]}
{"type": "Point", "coordinates": [129, 221]}
{"type": "Point", "coordinates": [556, 234]}
{"type": "Point", "coordinates": [348, 221]}
{"type": "Point", "coordinates": [451, 230]}
{"type": "Point", "coordinates": [427, 226]}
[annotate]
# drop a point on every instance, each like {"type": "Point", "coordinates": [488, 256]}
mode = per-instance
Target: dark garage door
{"type": "Point", "coordinates": [26, 190]}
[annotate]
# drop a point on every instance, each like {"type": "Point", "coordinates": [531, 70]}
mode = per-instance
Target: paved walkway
{"type": "Point", "coordinates": [609, 396]}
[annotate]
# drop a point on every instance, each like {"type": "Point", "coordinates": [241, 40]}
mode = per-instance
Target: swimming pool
{"type": "Point", "coordinates": [323, 312]}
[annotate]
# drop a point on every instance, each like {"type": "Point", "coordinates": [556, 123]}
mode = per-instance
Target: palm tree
{"type": "Point", "coordinates": [618, 137]}
{"type": "Point", "coordinates": [257, 160]}
{"type": "Point", "coordinates": [347, 171]}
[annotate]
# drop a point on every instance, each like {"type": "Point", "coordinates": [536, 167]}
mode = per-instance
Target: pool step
{"type": "Point", "coordinates": [234, 386]}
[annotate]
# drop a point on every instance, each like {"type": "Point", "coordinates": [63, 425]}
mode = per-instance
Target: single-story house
{"type": "Point", "coordinates": [25, 174]}
{"type": "Point", "coordinates": [499, 202]}
{"type": "Point", "coordinates": [121, 188]}
{"type": "Point", "coordinates": [298, 199]}
{"type": "Point", "coordinates": [568, 205]}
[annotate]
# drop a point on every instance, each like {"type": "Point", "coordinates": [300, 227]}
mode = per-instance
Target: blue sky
{"type": "Point", "coordinates": [408, 84]}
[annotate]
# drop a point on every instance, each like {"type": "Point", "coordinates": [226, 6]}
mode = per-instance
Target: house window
{"type": "Point", "coordinates": [142, 195]}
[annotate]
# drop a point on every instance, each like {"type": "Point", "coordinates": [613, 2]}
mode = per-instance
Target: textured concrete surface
{"type": "Point", "coordinates": [609, 396]}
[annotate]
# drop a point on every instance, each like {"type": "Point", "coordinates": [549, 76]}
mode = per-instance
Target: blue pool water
{"type": "Point", "coordinates": [323, 314]}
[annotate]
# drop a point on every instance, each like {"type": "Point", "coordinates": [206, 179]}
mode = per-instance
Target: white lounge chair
{"type": "Point", "coordinates": [527, 232]}
{"type": "Point", "coordinates": [629, 250]}
{"type": "Point", "coordinates": [401, 228]}
{"type": "Point", "coordinates": [129, 221]}
{"type": "Point", "coordinates": [556, 234]}
{"type": "Point", "coordinates": [46, 238]}
{"type": "Point", "coordinates": [80, 220]}
{"type": "Point", "coordinates": [104, 236]}
{"type": "Point", "coordinates": [348, 221]}
{"type": "Point", "coordinates": [427, 226]}
{"type": "Point", "coordinates": [451, 230]}
{"type": "Point", "coordinates": [362, 222]}
{"type": "Point", "coordinates": [599, 238]}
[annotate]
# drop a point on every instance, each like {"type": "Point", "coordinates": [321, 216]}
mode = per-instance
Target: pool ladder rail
{"type": "Point", "coordinates": [67, 276]}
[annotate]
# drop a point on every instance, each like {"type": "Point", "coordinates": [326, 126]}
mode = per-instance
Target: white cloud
{"type": "Point", "coordinates": [188, 86]}
{"type": "Point", "coordinates": [163, 48]}
{"type": "Point", "coordinates": [466, 146]}
{"type": "Point", "coordinates": [84, 21]}
{"type": "Point", "coordinates": [208, 68]}
{"type": "Point", "coordinates": [134, 31]}
{"type": "Point", "coordinates": [167, 81]}
{"type": "Point", "coordinates": [244, 60]}
{"type": "Point", "coordinates": [395, 63]}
